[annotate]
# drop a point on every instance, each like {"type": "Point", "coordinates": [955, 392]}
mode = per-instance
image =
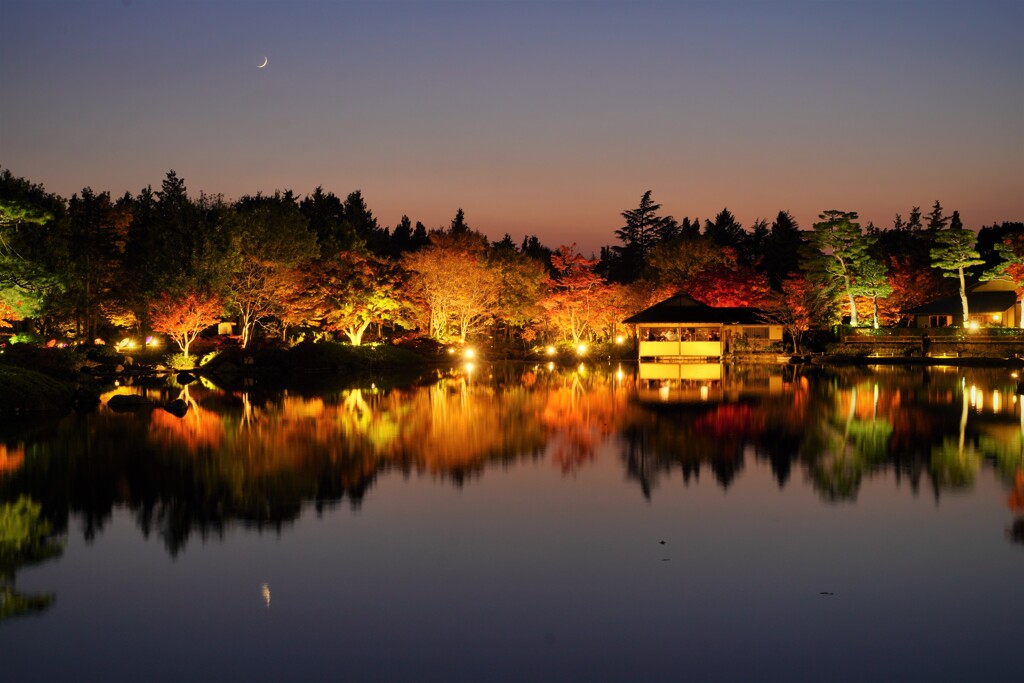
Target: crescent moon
{"type": "Point", "coordinates": [265, 60]}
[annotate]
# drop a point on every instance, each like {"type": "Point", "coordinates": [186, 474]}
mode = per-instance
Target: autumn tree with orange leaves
{"type": "Point", "coordinates": [798, 307]}
{"type": "Point", "coordinates": [182, 318]}
{"type": "Point", "coordinates": [453, 283]}
{"type": "Point", "coordinates": [579, 301]}
{"type": "Point", "coordinates": [361, 290]}
{"type": "Point", "coordinates": [728, 286]}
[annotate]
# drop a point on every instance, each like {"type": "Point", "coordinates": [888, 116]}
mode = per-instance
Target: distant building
{"type": "Point", "coordinates": [990, 304]}
{"type": "Point", "coordinates": [681, 328]}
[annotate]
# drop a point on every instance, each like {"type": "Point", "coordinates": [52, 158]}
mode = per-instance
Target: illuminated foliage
{"type": "Point", "coordinates": [954, 252]}
{"type": "Point", "coordinates": [798, 307]}
{"type": "Point", "coordinates": [27, 212]}
{"type": "Point", "coordinates": [728, 286]}
{"type": "Point", "coordinates": [579, 299]}
{"type": "Point", "coordinates": [873, 282]}
{"type": "Point", "coordinates": [842, 251]}
{"type": "Point", "coordinates": [359, 290]}
{"type": "Point", "coordinates": [270, 240]}
{"type": "Point", "coordinates": [452, 280]}
{"type": "Point", "coordinates": [183, 317]}
{"type": "Point", "coordinates": [521, 281]}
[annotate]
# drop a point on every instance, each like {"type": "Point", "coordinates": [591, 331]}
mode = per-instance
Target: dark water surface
{"type": "Point", "coordinates": [524, 523]}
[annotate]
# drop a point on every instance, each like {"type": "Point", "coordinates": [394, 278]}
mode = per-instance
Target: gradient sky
{"type": "Point", "coordinates": [546, 118]}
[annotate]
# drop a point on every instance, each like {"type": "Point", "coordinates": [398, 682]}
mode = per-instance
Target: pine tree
{"type": "Point", "coordinates": [954, 251]}
{"type": "Point", "coordinates": [842, 250]}
{"type": "Point", "coordinates": [644, 229]}
{"type": "Point", "coordinates": [936, 221]}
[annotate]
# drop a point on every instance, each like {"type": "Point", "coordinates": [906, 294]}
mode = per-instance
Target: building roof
{"type": "Point", "coordinates": [977, 302]}
{"type": "Point", "coordinates": [681, 308]}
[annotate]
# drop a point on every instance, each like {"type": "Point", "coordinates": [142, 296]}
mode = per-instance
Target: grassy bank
{"type": "Point", "coordinates": [28, 391]}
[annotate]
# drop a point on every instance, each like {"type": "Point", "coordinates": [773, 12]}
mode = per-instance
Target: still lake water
{"type": "Point", "coordinates": [523, 523]}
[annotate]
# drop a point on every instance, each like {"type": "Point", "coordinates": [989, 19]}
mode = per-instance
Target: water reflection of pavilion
{"type": "Point", "coordinates": [704, 382]}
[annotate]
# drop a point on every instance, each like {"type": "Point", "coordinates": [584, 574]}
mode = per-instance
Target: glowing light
{"type": "Point", "coordinates": [551, 350]}
{"type": "Point", "coordinates": [974, 396]}
{"type": "Point", "coordinates": [619, 374]}
{"type": "Point", "coordinates": [582, 369]}
{"type": "Point", "coordinates": [469, 368]}
{"type": "Point", "coordinates": [997, 401]}
{"type": "Point", "coordinates": [551, 367]}
{"type": "Point", "coordinates": [470, 353]}
{"type": "Point", "coordinates": [972, 325]}
{"type": "Point", "coordinates": [997, 317]}
{"type": "Point", "coordinates": [265, 592]}
{"type": "Point", "coordinates": [451, 350]}
{"type": "Point", "coordinates": [663, 392]}
{"type": "Point", "coordinates": [581, 349]}
{"type": "Point", "coordinates": [1015, 374]}
{"type": "Point", "coordinates": [704, 393]}
{"type": "Point", "coordinates": [620, 339]}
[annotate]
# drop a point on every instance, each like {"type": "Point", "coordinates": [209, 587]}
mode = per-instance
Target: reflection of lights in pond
{"type": "Point", "coordinates": [469, 368]}
{"type": "Point", "coordinates": [265, 591]}
{"type": "Point", "coordinates": [619, 374]}
{"type": "Point", "coordinates": [582, 369]}
{"type": "Point", "coordinates": [997, 401]}
{"type": "Point", "coordinates": [704, 392]}
{"type": "Point", "coordinates": [551, 367]}
{"type": "Point", "coordinates": [663, 391]}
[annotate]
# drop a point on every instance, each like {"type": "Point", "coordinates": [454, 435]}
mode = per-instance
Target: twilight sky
{"type": "Point", "coordinates": [546, 118]}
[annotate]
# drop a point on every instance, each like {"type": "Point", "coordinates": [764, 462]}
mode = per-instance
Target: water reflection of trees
{"type": "Point", "coordinates": [256, 459]}
{"type": "Point", "coordinates": [26, 539]}
{"type": "Point", "coordinates": [839, 427]}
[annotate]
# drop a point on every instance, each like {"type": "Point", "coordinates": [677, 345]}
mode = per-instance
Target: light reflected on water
{"type": "Point", "coordinates": [538, 491]}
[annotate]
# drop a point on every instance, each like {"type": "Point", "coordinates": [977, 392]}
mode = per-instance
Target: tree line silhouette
{"type": "Point", "coordinates": [287, 267]}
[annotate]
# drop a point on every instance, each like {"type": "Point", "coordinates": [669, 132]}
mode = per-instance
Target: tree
{"type": "Point", "coordinates": [459, 225]}
{"type": "Point", "coordinates": [91, 247]}
{"type": "Point", "coordinates": [781, 252]}
{"type": "Point", "coordinates": [677, 261]}
{"type": "Point", "coordinates": [873, 282]}
{"type": "Point", "coordinates": [643, 230]}
{"type": "Point", "coordinates": [401, 237]}
{"type": "Point", "coordinates": [954, 251]}
{"type": "Point", "coordinates": [359, 290]}
{"type": "Point", "coordinates": [324, 213]}
{"type": "Point", "coordinates": [27, 214]}
{"type": "Point", "coordinates": [913, 285]}
{"type": "Point", "coordinates": [797, 307]}
{"type": "Point", "coordinates": [451, 279]}
{"type": "Point", "coordinates": [725, 231]}
{"type": "Point", "coordinates": [182, 317]}
{"type": "Point", "coordinates": [729, 286]}
{"type": "Point", "coordinates": [270, 240]}
{"type": "Point", "coordinates": [842, 249]}
{"type": "Point", "coordinates": [1011, 253]}
{"type": "Point", "coordinates": [359, 221]}
{"type": "Point", "coordinates": [914, 221]}
{"type": "Point", "coordinates": [578, 297]}
{"type": "Point", "coordinates": [521, 281]}
{"type": "Point", "coordinates": [936, 221]}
